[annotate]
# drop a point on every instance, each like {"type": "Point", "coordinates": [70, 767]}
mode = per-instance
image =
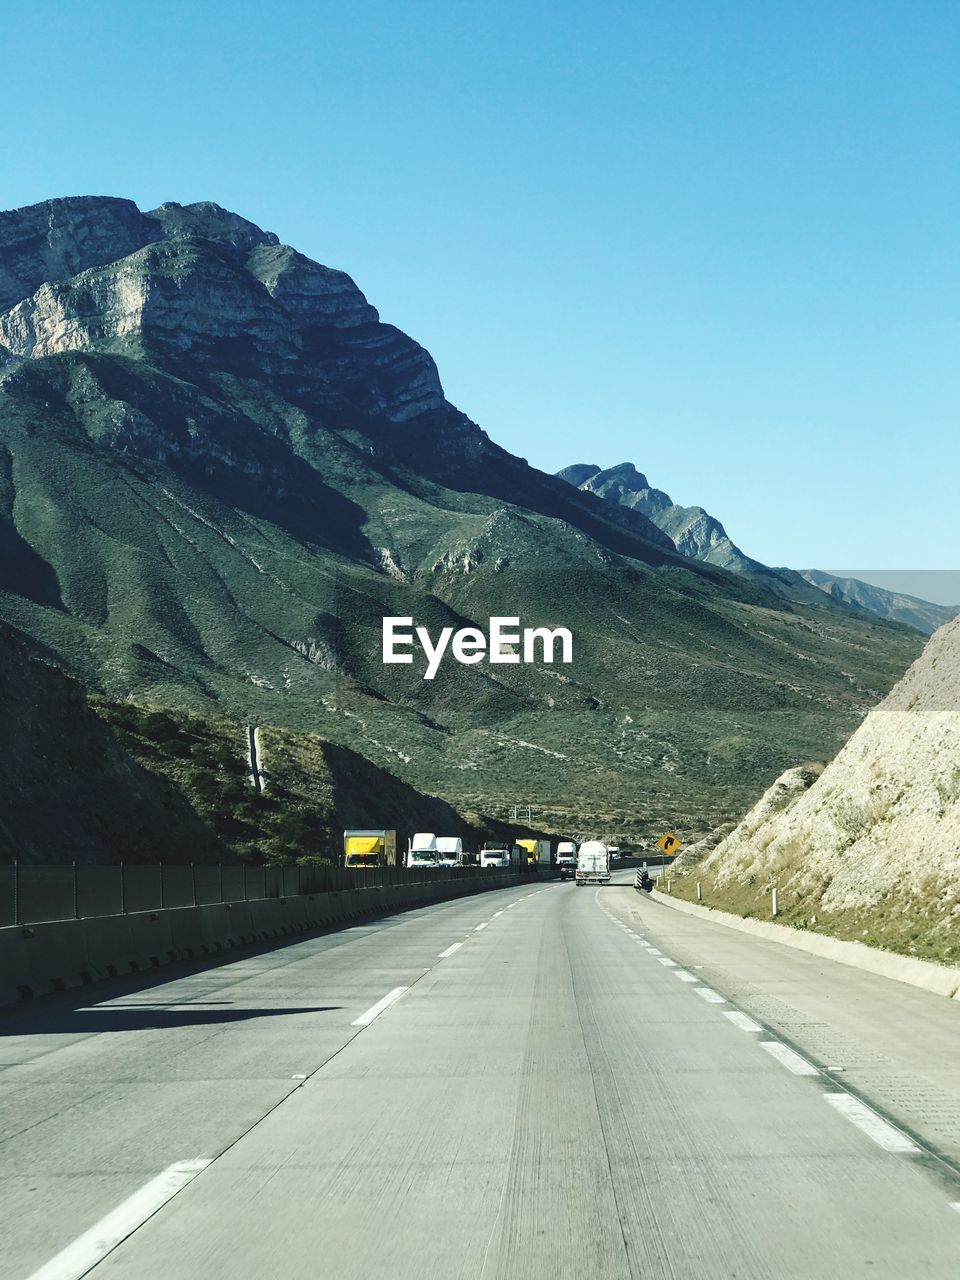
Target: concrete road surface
{"type": "Point", "coordinates": [543, 1082]}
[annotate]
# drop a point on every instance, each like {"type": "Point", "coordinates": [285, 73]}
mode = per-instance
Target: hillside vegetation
{"type": "Point", "coordinates": [68, 789]}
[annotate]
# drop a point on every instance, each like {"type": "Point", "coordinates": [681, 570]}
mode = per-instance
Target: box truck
{"type": "Point", "coordinates": [369, 849]}
{"type": "Point", "coordinates": [534, 852]}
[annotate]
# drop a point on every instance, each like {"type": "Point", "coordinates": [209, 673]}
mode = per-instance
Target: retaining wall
{"type": "Point", "coordinates": [42, 958]}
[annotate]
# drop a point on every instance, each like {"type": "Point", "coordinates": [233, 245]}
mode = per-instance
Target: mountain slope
{"type": "Point", "coordinates": [219, 470]}
{"type": "Point", "coordinates": [895, 605]}
{"type": "Point", "coordinates": [69, 791]}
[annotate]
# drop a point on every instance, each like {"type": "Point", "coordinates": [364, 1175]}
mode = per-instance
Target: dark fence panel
{"type": "Point", "coordinates": [100, 891]}
{"type": "Point", "coordinates": [209, 885]}
{"type": "Point", "coordinates": [47, 893]}
{"type": "Point", "coordinates": [34, 894]}
{"type": "Point", "coordinates": [8, 895]}
{"type": "Point", "coordinates": [142, 888]}
{"type": "Point", "coordinates": [233, 885]}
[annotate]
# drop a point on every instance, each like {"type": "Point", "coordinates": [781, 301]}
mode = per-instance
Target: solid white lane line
{"type": "Point", "coordinates": [684, 976]}
{"type": "Point", "coordinates": [449, 951]}
{"type": "Point", "coordinates": [711, 996]}
{"type": "Point", "coordinates": [787, 1058]}
{"type": "Point", "coordinates": [481, 926]}
{"type": "Point", "coordinates": [874, 1126]}
{"type": "Point", "coordinates": [667, 962]}
{"type": "Point", "coordinates": [375, 1010]}
{"type": "Point", "coordinates": [741, 1020]}
{"type": "Point", "coordinates": [955, 1204]}
{"type": "Point", "coordinates": [93, 1246]}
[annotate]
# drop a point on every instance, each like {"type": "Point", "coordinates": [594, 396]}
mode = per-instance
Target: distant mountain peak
{"type": "Point", "coordinates": [700, 536]}
{"type": "Point", "coordinates": [693, 531]}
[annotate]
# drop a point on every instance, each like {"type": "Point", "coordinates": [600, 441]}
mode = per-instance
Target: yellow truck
{"type": "Point", "coordinates": [369, 849]}
{"type": "Point", "coordinates": [534, 852]}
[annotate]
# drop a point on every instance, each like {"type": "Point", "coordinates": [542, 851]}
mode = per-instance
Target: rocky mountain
{"type": "Point", "coordinates": [693, 531]}
{"type": "Point", "coordinates": [219, 470]}
{"type": "Point", "coordinates": [697, 534]}
{"type": "Point", "coordinates": [895, 605]}
{"type": "Point", "coordinates": [867, 849]}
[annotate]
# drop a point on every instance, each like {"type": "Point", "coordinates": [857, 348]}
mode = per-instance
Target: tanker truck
{"type": "Point", "coordinates": [593, 863]}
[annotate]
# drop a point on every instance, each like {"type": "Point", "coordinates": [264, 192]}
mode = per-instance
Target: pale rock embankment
{"type": "Point", "coordinates": [871, 847]}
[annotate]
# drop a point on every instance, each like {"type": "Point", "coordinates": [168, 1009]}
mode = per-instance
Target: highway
{"type": "Point", "coordinates": [538, 1082]}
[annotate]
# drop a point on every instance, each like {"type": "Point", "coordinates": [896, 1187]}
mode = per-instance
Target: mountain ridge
{"type": "Point", "coordinates": [702, 537]}
{"type": "Point", "coordinates": [220, 471]}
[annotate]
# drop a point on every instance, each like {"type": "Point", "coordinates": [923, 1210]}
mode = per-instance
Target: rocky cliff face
{"type": "Point", "coordinates": [60, 238]}
{"type": "Point", "coordinates": [877, 835]}
{"type": "Point", "coordinates": [97, 275]}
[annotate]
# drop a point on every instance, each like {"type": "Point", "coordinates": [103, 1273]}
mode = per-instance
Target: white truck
{"type": "Point", "coordinates": [449, 849]}
{"type": "Point", "coordinates": [423, 853]}
{"type": "Point", "coordinates": [500, 856]}
{"type": "Point", "coordinates": [566, 856]}
{"type": "Point", "coordinates": [593, 863]}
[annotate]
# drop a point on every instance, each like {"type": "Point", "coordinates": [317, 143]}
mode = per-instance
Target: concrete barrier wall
{"type": "Point", "coordinates": [42, 958]}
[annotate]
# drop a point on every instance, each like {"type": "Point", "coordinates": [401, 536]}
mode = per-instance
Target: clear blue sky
{"type": "Point", "coordinates": [717, 238]}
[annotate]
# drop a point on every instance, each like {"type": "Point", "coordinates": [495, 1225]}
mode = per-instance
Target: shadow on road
{"type": "Point", "coordinates": [139, 1017]}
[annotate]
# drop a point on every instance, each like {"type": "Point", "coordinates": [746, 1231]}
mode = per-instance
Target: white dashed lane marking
{"type": "Point", "coordinates": [741, 1020]}
{"type": "Point", "coordinates": [708, 994]}
{"type": "Point", "coordinates": [787, 1058]}
{"type": "Point", "coordinates": [93, 1246]}
{"type": "Point", "coordinates": [883, 1134]}
{"type": "Point", "coordinates": [381, 1006]}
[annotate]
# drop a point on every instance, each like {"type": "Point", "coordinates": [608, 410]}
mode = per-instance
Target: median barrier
{"type": "Point", "coordinates": [39, 959]}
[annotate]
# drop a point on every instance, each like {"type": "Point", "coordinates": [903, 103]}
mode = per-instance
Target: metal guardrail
{"type": "Point", "coordinates": [37, 894]}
